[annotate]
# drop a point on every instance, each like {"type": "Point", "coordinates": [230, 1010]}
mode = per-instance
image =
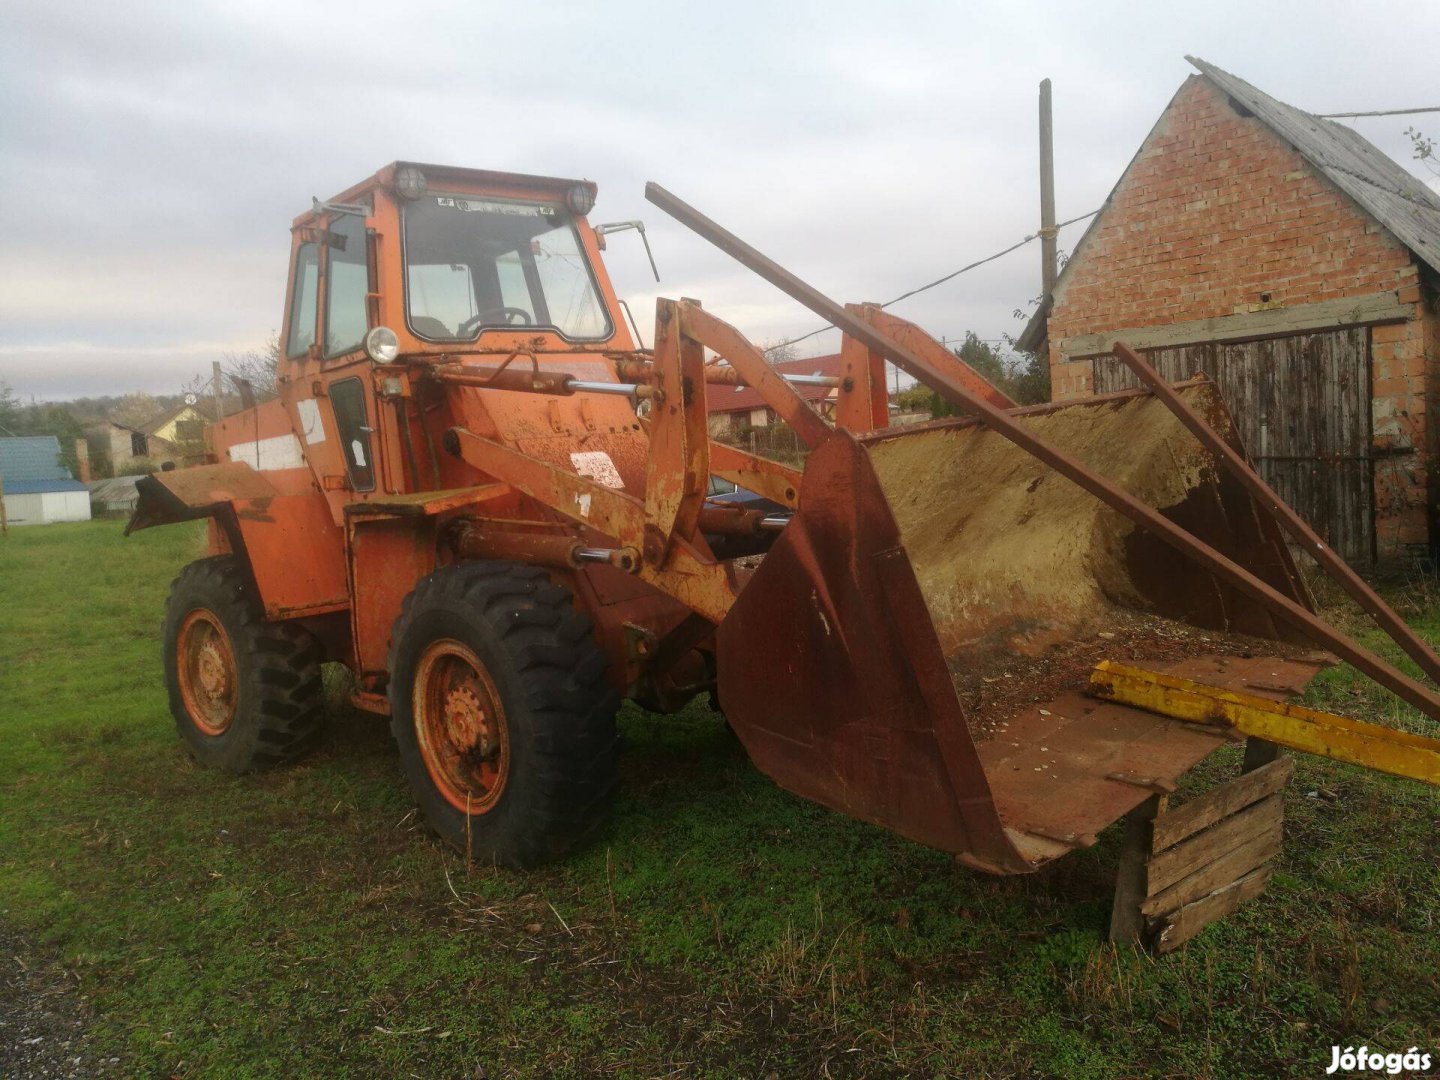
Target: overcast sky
{"type": "Point", "coordinates": [153, 154]}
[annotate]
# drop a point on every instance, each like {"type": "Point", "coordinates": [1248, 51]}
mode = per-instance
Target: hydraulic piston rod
{"type": "Point", "coordinates": [519, 380]}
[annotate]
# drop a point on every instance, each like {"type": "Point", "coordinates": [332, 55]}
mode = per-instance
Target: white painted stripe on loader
{"type": "Point", "coordinates": [270, 455]}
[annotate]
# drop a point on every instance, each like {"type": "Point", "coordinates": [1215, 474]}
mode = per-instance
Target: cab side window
{"type": "Point", "coordinates": [347, 398]}
{"type": "Point", "coordinates": [347, 281]}
{"type": "Point", "coordinates": [303, 296]}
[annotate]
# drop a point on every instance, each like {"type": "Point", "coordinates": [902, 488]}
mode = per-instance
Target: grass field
{"type": "Point", "coordinates": [302, 923]}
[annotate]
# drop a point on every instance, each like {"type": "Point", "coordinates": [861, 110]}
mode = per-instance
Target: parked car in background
{"type": "Point", "coordinates": [724, 492]}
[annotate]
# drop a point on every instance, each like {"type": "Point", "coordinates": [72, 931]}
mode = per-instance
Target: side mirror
{"type": "Point", "coordinates": [621, 226]}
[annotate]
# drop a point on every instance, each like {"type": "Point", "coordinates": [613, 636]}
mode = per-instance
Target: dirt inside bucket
{"type": "Point", "coordinates": [995, 684]}
{"type": "Point", "coordinates": [1002, 545]}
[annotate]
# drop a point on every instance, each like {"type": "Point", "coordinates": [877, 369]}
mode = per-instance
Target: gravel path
{"type": "Point", "coordinates": [43, 1020]}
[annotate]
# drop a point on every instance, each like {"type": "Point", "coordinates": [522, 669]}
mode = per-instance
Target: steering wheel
{"type": "Point", "coordinates": [507, 316]}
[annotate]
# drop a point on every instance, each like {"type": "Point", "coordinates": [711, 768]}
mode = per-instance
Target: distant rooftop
{"type": "Point", "coordinates": [29, 460]}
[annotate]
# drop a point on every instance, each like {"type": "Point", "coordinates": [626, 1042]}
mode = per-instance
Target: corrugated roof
{"type": "Point", "coordinates": [1377, 183]}
{"type": "Point", "coordinates": [114, 488]}
{"type": "Point", "coordinates": [28, 458]}
{"type": "Point", "coordinates": [729, 399]}
{"type": "Point", "coordinates": [39, 487]}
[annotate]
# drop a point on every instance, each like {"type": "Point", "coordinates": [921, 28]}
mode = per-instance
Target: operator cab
{"type": "Point", "coordinates": [446, 260]}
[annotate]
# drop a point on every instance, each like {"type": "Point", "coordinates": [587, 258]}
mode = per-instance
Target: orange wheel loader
{"type": "Point", "coordinates": [482, 493]}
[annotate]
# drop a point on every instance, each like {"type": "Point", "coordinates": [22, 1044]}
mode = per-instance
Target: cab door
{"type": "Point", "coordinates": [346, 370]}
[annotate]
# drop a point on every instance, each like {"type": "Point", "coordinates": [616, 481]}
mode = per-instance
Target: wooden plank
{"type": "Point", "coordinates": [1367, 310]}
{"type": "Point", "coordinates": [1216, 875]}
{"type": "Point", "coordinates": [1126, 922]}
{"type": "Point", "coordinates": [1190, 855]}
{"type": "Point", "coordinates": [1258, 752]}
{"type": "Point", "coordinates": [1219, 802]}
{"type": "Point", "coordinates": [1176, 929]}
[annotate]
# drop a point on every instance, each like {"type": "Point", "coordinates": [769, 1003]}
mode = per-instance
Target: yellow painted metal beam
{"type": "Point", "coordinates": [1371, 745]}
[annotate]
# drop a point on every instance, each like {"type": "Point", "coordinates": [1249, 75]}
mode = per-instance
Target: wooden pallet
{"type": "Point", "coordinates": [1182, 868]}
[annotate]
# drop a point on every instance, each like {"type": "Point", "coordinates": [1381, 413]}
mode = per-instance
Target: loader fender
{"type": "Point", "coordinates": [288, 543]}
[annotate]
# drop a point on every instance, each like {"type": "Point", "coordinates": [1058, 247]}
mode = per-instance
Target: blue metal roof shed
{"type": "Point", "coordinates": [31, 458]}
{"type": "Point", "coordinates": [37, 488]}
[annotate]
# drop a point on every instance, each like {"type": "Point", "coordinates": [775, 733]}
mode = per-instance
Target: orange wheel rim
{"type": "Point", "coordinates": [209, 682]}
{"type": "Point", "coordinates": [460, 726]}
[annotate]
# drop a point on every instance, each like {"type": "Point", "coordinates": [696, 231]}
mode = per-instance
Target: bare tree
{"type": "Point", "coordinates": [779, 352]}
{"type": "Point", "coordinates": [255, 368]}
{"type": "Point", "coordinates": [135, 410]}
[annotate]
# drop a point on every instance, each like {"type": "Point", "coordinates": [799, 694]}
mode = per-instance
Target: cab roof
{"type": "Point", "coordinates": [439, 175]}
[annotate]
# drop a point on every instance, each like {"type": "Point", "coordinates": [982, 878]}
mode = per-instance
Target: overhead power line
{"type": "Point", "coordinates": [942, 280]}
{"type": "Point", "coordinates": [1382, 112]}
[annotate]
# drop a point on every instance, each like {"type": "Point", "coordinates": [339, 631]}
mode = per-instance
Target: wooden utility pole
{"type": "Point", "coordinates": [219, 409]}
{"type": "Point", "coordinates": [1048, 233]}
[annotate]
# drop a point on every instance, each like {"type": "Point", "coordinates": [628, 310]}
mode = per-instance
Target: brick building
{"type": "Point", "coordinates": [1294, 263]}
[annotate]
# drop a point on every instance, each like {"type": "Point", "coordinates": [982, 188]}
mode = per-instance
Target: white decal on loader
{"type": "Point", "coordinates": [270, 455]}
{"type": "Point", "coordinates": [596, 465]}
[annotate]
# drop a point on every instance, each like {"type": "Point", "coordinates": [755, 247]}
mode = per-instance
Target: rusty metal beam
{"type": "Point", "coordinates": [750, 362]}
{"type": "Point", "coordinates": [862, 404]}
{"type": "Point", "coordinates": [936, 355]}
{"type": "Point", "coordinates": [777, 482]}
{"type": "Point", "coordinates": [1145, 517]}
{"type": "Point", "coordinates": [1293, 523]}
{"type": "Point", "coordinates": [678, 466]}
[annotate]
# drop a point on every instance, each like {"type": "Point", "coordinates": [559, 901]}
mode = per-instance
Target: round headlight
{"type": "Point", "coordinates": [410, 183]}
{"type": "Point", "coordinates": [580, 199]}
{"type": "Point", "coordinates": [381, 345]}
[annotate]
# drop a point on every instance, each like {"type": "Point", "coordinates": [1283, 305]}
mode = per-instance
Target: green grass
{"type": "Point", "coordinates": [302, 923]}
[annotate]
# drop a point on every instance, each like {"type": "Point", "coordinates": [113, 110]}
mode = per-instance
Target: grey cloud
{"type": "Point", "coordinates": [153, 154]}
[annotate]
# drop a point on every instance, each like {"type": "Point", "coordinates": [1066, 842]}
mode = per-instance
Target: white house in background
{"type": "Point", "coordinates": [38, 489]}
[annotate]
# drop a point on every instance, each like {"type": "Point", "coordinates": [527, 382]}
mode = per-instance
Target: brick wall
{"type": "Point", "coordinates": [1399, 372]}
{"type": "Point", "coordinates": [1430, 437]}
{"type": "Point", "coordinates": [1217, 216]}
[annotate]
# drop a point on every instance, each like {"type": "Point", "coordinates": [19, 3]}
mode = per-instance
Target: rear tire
{"type": "Point", "coordinates": [502, 712]}
{"type": "Point", "coordinates": [246, 693]}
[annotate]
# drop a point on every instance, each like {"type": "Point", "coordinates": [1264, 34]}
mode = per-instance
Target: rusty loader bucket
{"type": "Point", "coordinates": [925, 566]}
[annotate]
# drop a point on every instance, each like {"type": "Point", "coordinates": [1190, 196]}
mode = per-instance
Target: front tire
{"type": "Point", "coordinates": [246, 693]}
{"type": "Point", "coordinates": [502, 712]}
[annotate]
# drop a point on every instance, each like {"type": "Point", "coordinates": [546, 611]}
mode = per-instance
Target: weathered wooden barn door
{"type": "Point", "coordinates": [1302, 404]}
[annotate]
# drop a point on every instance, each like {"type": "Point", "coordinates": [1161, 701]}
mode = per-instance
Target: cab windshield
{"type": "Point", "coordinates": [475, 263]}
